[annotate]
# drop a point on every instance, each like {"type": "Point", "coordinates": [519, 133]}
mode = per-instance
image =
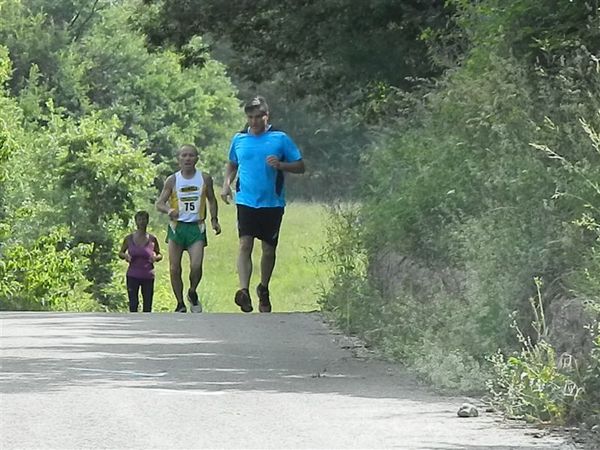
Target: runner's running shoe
{"type": "Point", "coordinates": [264, 301]}
{"type": "Point", "coordinates": [180, 308]}
{"type": "Point", "coordinates": [242, 299]}
{"type": "Point", "coordinates": [195, 305]}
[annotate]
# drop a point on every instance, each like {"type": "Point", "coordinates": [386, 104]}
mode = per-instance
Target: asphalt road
{"type": "Point", "coordinates": [184, 381]}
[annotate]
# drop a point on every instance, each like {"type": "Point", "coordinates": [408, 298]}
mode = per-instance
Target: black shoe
{"type": "Point", "coordinates": [180, 308]}
{"type": "Point", "coordinates": [242, 299]}
{"type": "Point", "coordinates": [264, 302]}
{"type": "Point", "coordinates": [195, 305]}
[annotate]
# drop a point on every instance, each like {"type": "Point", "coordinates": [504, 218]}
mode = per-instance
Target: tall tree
{"type": "Point", "coordinates": [330, 49]}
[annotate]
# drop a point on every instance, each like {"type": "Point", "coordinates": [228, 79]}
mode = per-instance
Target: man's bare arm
{"type": "Point", "coordinates": [230, 174]}
{"type": "Point", "coordinates": [213, 206]}
{"type": "Point", "coordinates": [161, 203]}
{"type": "Point", "coordinates": [292, 167]}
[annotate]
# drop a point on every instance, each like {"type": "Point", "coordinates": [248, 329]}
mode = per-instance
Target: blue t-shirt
{"type": "Point", "coordinates": [260, 185]}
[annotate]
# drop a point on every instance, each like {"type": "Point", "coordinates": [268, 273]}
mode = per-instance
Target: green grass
{"type": "Point", "coordinates": [296, 278]}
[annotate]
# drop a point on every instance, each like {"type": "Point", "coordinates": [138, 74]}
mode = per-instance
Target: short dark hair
{"type": "Point", "coordinates": [142, 214]}
{"type": "Point", "coordinates": [188, 147]}
{"type": "Point", "coordinates": [257, 103]}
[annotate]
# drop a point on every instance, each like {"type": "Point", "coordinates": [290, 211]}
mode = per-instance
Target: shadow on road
{"type": "Point", "coordinates": [216, 352]}
{"type": "Point", "coordinates": [209, 355]}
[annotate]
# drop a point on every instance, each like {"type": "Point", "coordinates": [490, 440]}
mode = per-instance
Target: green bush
{"type": "Point", "coordinates": [347, 295]}
{"type": "Point", "coordinates": [449, 370]}
{"type": "Point", "coordinates": [95, 144]}
{"type": "Point", "coordinates": [534, 383]}
{"type": "Point", "coordinates": [49, 275]}
{"type": "Point", "coordinates": [491, 183]}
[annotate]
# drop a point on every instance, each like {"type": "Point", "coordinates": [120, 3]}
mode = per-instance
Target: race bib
{"type": "Point", "coordinates": [189, 205]}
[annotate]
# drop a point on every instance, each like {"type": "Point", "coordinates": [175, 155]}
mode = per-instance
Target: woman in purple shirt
{"type": "Point", "coordinates": [140, 249]}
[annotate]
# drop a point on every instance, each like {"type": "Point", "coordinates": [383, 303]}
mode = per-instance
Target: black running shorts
{"type": "Point", "coordinates": [261, 223]}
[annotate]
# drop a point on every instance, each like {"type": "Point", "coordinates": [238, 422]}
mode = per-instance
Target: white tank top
{"type": "Point", "coordinates": [189, 197]}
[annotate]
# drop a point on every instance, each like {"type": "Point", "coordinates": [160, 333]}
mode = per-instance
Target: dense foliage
{"type": "Point", "coordinates": [490, 184]}
{"type": "Point", "coordinates": [328, 67]}
{"type": "Point", "coordinates": [90, 123]}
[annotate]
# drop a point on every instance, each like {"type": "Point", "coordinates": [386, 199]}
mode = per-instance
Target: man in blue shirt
{"type": "Point", "coordinates": [259, 156]}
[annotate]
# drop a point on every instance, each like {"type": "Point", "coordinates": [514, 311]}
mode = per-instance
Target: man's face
{"type": "Point", "coordinates": [187, 158]}
{"type": "Point", "coordinates": [257, 121]}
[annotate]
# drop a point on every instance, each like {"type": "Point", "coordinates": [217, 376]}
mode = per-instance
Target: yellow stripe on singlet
{"type": "Point", "coordinates": [174, 204]}
{"type": "Point", "coordinates": [202, 212]}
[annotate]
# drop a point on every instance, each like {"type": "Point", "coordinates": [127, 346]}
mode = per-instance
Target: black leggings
{"type": "Point", "coordinates": [133, 288]}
